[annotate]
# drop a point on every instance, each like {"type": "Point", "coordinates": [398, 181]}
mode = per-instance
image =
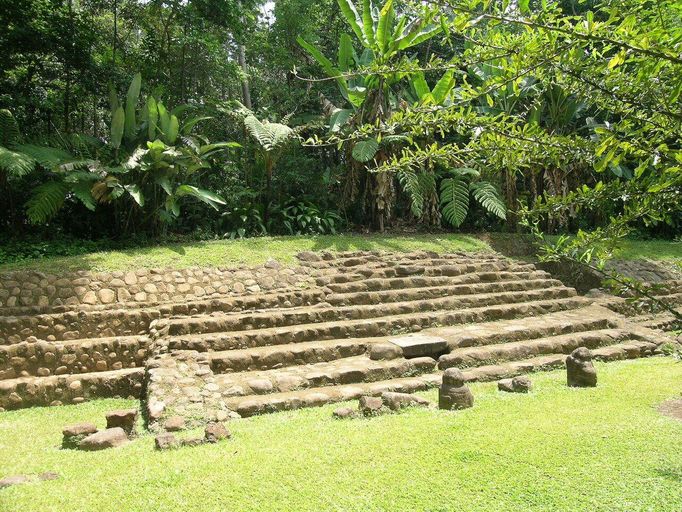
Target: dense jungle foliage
{"type": "Point", "coordinates": [127, 120]}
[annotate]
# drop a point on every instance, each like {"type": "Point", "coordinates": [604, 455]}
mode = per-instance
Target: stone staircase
{"type": "Point", "coordinates": [373, 323]}
{"type": "Point", "coordinates": [353, 324]}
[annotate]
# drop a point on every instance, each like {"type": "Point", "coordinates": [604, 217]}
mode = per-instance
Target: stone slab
{"type": "Point", "coordinates": [419, 345]}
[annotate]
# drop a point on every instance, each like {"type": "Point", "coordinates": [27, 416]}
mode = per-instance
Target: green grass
{"type": "Point", "coordinates": [557, 449]}
{"type": "Point", "coordinates": [663, 250]}
{"type": "Point", "coordinates": [250, 251]}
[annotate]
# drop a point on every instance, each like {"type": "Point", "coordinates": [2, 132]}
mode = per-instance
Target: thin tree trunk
{"type": "Point", "coordinates": [246, 91]}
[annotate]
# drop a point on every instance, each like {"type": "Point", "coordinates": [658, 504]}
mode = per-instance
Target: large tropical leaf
{"type": "Point", "coordinates": [354, 20]}
{"type": "Point", "coordinates": [131, 103]}
{"type": "Point", "coordinates": [117, 126]}
{"type": "Point", "coordinates": [384, 28]}
{"type": "Point", "coordinates": [368, 22]}
{"type": "Point", "coordinates": [210, 198]}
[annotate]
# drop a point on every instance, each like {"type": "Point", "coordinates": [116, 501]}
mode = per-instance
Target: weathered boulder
{"type": "Point", "coordinates": [166, 441]}
{"type": "Point", "coordinates": [174, 424]}
{"type": "Point", "coordinates": [74, 434]}
{"type": "Point", "coordinates": [580, 371]}
{"type": "Point", "coordinates": [123, 418]}
{"type": "Point", "coordinates": [397, 401]}
{"type": "Point", "coordinates": [370, 406]}
{"type": "Point", "coordinates": [308, 256]}
{"type": "Point", "coordinates": [521, 384]}
{"type": "Point", "coordinates": [215, 432]}
{"type": "Point", "coordinates": [109, 438]}
{"type": "Point", "coordinates": [453, 392]}
{"type": "Point", "coordinates": [344, 413]}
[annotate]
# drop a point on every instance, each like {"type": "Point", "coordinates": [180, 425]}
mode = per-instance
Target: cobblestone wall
{"type": "Point", "coordinates": [142, 286]}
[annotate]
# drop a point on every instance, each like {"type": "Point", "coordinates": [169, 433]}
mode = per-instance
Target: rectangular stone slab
{"type": "Point", "coordinates": [419, 345]}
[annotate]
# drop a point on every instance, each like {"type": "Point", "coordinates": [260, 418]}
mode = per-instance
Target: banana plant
{"type": "Point", "coordinates": [422, 94]}
{"type": "Point", "coordinates": [384, 35]}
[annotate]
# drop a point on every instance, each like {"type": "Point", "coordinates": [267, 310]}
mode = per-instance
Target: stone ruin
{"type": "Point", "coordinates": [208, 345]}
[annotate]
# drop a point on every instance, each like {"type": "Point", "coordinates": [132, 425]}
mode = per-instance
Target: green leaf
{"type": "Point", "coordinates": [117, 126]}
{"type": "Point", "coordinates": [365, 150]}
{"type": "Point", "coordinates": [135, 193]}
{"type": "Point", "coordinates": [454, 200]}
{"type": "Point", "coordinates": [368, 22]}
{"type": "Point", "coordinates": [486, 195]}
{"type": "Point", "coordinates": [353, 18]}
{"type": "Point", "coordinates": [384, 28]}
{"type": "Point", "coordinates": [420, 86]}
{"type": "Point", "coordinates": [45, 201]}
{"type": "Point", "coordinates": [187, 127]}
{"type": "Point", "coordinates": [339, 119]}
{"type": "Point", "coordinates": [173, 128]}
{"type": "Point", "coordinates": [82, 190]}
{"type": "Point", "coordinates": [345, 53]}
{"type": "Point", "coordinates": [210, 198]}
{"type": "Point", "coordinates": [131, 103]}
{"type": "Point", "coordinates": [443, 87]}
{"type": "Point", "coordinates": [523, 6]}
{"type": "Point", "coordinates": [152, 117]}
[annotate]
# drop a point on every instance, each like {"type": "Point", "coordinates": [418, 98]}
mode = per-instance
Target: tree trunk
{"type": "Point", "coordinates": [246, 91]}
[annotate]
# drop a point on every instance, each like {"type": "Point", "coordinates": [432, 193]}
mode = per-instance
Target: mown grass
{"type": "Point", "coordinates": [255, 251]}
{"type": "Point", "coordinates": [250, 251]}
{"type": "Point", "coordinates": [663, 250]}
{"type": "Point", "coordinates": [557, 449]}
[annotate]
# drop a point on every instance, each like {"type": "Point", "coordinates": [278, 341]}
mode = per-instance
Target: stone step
{"type": "Point", "coordinates": [70, 389]}
{"type": "Point", "coordinates": [315, 397]}
{"type": "Point", "coordinates": [326, 259]}
{"type": "Point", "coordinates": [563, 344]}
{"type": "Point", "coordinates": [371, 327]}
{"type": "Point", "coordinates": [428, 271]}
{"type": "Point", "coordinates": [326, 313]}
{"type": "Point", "coordinates": [480, 334]}
{"type": "Point", "coordinates": [371, 266]}
{"type": "Point", "coordinates": [77, 325]}
{"type": "Point", "coordinates": [433, 292]}
{"type": "Point", "coordinates": [349, 370]}
{"type": "Point", "coordinates": [399, 283]}
{"type": "Point", "coordinates": [663, 321]}
{"type": "Point", "coordinates": [583, 319]}
{"type": "Point", "coordinates": [43, 358]}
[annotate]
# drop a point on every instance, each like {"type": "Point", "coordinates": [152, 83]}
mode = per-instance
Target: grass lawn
{"type": "Point", "coordinates": [250, 251]}
{"type": "Point", "coordinates": [557, 449]}
{"type": "Point", "coordinates": [255, 251]}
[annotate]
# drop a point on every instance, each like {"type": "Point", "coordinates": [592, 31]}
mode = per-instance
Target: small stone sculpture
{"type": "Point", "coordinates": [454, 393]}
{"type": "Point", "coordinates": [580, 372]}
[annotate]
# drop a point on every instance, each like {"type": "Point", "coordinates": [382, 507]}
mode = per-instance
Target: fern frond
{"type": "Point", "coordinates": [454, 200]}
{"type": "Point", "coordinates": [46, 156]}
{"type": "Point", "coordinates": [486, 195]}
{"type": "Point", "coordinates": [9, 129]}
{"type": "Point", "coordinates": [409, 181]}
{"type": "Point", "coordinates": [15, 164]}
{"type": "Point", "coordinates": [365, 150]}
{"type": "Point", "coordinates": [269, 136]}
{"type": "Point", "coordinates": [46, 201]}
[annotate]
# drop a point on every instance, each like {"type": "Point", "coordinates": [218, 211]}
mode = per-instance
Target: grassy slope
{"type": "Point", "coordinates": [255, 251]}
{"type": "Point", "coordinates": [557, 449]}
{"type": "Point", "coordinates": [250, 251]}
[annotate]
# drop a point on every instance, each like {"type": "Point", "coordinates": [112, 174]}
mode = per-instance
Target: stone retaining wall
{"type": "Point", "coordinates": [29, 289]}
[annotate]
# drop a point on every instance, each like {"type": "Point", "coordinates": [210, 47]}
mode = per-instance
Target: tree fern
{"type": "Point", "coordinates": [365, 150]}
{"type": "Point", "coordinates": [15, 164]}
{"type": "Point", "coordinates": [269, 136]}
{"type": "Point", "coordinates": [46, 201]}
{"type": "Point", "coordinates": [9, 129]}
